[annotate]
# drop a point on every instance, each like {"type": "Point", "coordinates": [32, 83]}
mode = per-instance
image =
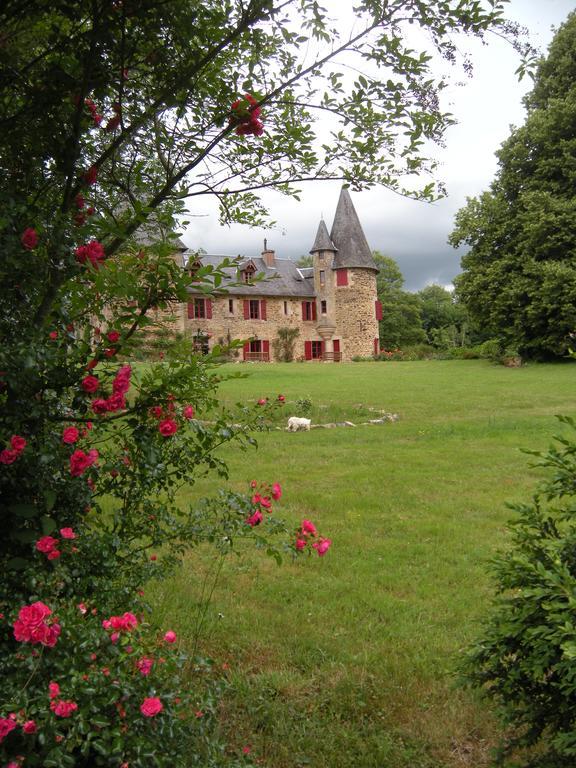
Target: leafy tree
{"type": "Point", "coordinates": [305, 261]}
{"type": "Point", "coordinates": [524, 660]}
{"type": "Point", "coordinates": [519, 279]}
{"type": "Point", "coordinates": [113, 112]}
{"type": "Point", "coordinates": [401, 323]}
{"type": "Point", "coordinates": [445, 319]}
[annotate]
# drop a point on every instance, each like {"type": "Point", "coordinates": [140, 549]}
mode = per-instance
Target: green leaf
{"type": "Point", "coordinates": [24, 510]}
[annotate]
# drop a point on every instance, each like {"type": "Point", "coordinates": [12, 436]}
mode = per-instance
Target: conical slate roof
{"type": "Point", "coordinates": [348, 237]}
{"type": "Point", "coordinates": [322, 241]}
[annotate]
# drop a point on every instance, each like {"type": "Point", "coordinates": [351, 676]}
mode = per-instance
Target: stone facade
{"type": "Point", "coordinates": [332, 304]}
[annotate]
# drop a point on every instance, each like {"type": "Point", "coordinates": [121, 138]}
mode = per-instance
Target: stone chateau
{"type": "Point", "coordinates": [333, 304]}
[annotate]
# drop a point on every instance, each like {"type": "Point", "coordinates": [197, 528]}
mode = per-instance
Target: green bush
{"type": "Point", "coordinates": [525, 660]}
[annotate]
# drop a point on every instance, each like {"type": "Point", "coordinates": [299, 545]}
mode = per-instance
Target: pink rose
{"type": "Point", "coordinates": [29, 239]}
{"type": "Point", "coordinates": [92, 252]}
{"type": "Point", "coordinates": [54, 554]}
{"type": "Point", "coordinates": [188, 412]}
{"type": "Point", "coordinates": [116, 402]}
{"type": "Point", "coordinates": [300, 544]}
{"type": "Point", "coordinates": [80, 461]}
{"type": "Point", "coordinates": [170, 636]}
{"type": "Point", "coordinates": [255, 519]}
{"type": "Point", "coordinates": [70, 435]}
{"type": "Point", "coordinates": [263, 401]}
{"type": "Point", "coordinates": [124, 623]}
{"type": "Point", "coordinates": [265, 502]}
{"type": "Point", "coordinates": [90, 384]}
{"type": "Point", "coordinates": [30, 726]}
{"type": "Point", "coordinates": [121, 383]}
{"type": "Point", "coordinates": [31, 626]}
{"type": "Point", "coordinates": [83, 608]}
{"type": "Point", "coordinates": [99, 406]}
{"type": "Point", "coordinates": [53, 335]}
{"type": "Point", "coordinates": [64, 708]}
{"type": "Point", "coordinates": [281, 399]}
{"type": "Point", "coordinates": [151, 706]}
{"type": "Point", "coordinates": [308, 528]}
{"type": "Point", "coordinates": [46, 544]}
{"type": "Point", "coordinates": [168, 427]}
{"type": "Point", "coordinates": [17, 443]}
{"type": "Point", "coordinates": [113, 336]}
{"type": "Point", "coordinates": [276, 491]}
{"type": "Point", "coordinates": [7, 724]}
{"type": "Point", "coordinates": [67, 533]}
{"type": "Point", "coordinates": [144, 666]}
{"type": "Point", "coordinates": [8, 457]}
{"type": "Point", "coordinates": [322, 546]}
{"type": "Point", "coordinates": [53, 690]}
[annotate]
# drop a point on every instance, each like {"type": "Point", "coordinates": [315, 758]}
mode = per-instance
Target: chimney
{"type": "Point", "coordinates": [268, 255]}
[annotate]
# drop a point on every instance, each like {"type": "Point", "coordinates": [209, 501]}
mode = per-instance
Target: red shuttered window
{"type": "Point", "coordinates": [341, 277]}
{"type": "Point", "coordinates": [378, 310]}
{"type": "Point", "coordinates": [263, 309]}
{"type": "Point", "coordinates": [308, 310]}
{"type": "Point", "coordinates": [308, 350]}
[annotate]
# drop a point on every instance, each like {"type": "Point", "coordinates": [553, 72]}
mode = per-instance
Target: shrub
{"type": "Point", "coordinates": [525, 659]}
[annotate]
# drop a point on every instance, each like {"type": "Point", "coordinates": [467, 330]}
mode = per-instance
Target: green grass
{"type": "Point", "coordinates": [349, 660]}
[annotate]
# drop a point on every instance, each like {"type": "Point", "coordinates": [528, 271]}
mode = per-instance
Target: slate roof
{"type": "Point", "coordinates": [284, 279]}
{"type": "Point", "coordinates": [347, 235]}
{"type": "Point", "coordinates": [322, 241]}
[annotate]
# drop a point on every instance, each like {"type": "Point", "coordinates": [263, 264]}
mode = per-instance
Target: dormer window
{"type": "Point", "coordinates": [248, 273]}
{"type": "Point", "coordinates": [193, 267]}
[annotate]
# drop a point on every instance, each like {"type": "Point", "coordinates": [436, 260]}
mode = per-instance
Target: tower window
{"type": "Point", "coordinates": [322, 277]}
{"type": "Point", "coordinates": [323, 307]}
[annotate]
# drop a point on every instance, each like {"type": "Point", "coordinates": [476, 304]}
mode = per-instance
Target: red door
{"type": "Point", "coordinates": [336, 345]}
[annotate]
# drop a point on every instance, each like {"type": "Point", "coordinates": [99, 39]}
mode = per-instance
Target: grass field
{"type": "Point", "coordinates": [349, 660]}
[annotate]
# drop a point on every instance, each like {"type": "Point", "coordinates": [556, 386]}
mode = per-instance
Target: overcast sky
{"type": "Point", "coordinates": [413, 233]}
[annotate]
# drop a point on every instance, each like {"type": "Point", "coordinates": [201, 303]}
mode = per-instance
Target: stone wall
{"type": "Point", "coordinates": [355, 314]}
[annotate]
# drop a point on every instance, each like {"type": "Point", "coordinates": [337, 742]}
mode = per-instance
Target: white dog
{"type": "Point", "coordinates": [296, 424]}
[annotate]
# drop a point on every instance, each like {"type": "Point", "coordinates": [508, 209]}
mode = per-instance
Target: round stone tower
{"type": "Point", "coordinates": [345, 284]}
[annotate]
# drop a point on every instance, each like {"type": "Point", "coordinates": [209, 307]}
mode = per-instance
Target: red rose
{"type": "Point", "coordinates": [7, 724]}
{"type": "Point", "coordinates": [99, 406]}
{"type": "Point", "coordinates": [281, 399]}
{"type": "Point", "coordinates": [63, 708]}
{"type": "Point", "coordinates": [110, 352]}
{"type": "Point", "coordinates": [67, 533]}
{"type": "Point", "coordinates": [53, 690]}
{"type": "Point", "coordinates": [92, 252]}
{"type": "Point", "coordinates": [170, 636]}
{"type": "Point", "coordinates": [276, 491]}
{"type": "Point", "coordinates": [17, 443]}
{"type": "Point", "coordinates": [30, 726]}
{"type": "Point", "coordinates": [70, 435]}
{"type": "Point", "coordinates": [151, 706]}
{"type": "Point", "coordinates": [53, 335]}
{"type": "Point", "coordinates": [188, 412]}
{"type": "Point", "coordinates": [116, 402]}
{"type": "Point", "coordinates": [255, 519]}
{"type": "Point", "coordinates": [90, 384]}
{"type": "Point", "coordinates": [308, 528]}
{"type": "Point", "coordinates": [8, 457]}
{"type": "Point", "coordinates": [79, 201]}
{"type": "Point", "coordinates": [167, 428]}
{"type": "Point", "coordinates": [113, 336]}
{"type": "Point", "coordinates": [144, 665]}
{"type": "Point", "coordinates": [31, 626]}
{"type": "Point", "coordinates": [29, 239]}
{"type": "Point", "coordinates": [80, 461]}
{"type": "Point", "coordinates": [156, 411]}
{"type": "Point", "coordinates": [46, 544]}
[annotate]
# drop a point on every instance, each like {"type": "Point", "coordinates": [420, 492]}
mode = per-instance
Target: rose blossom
{"type": "Point", "coordinates": [91, 174]}
{"type": "Point", "coordinates": [31, 627]}
{"type": "Point", "coordinates": [167, 427]}
{"type": "Point", "coordinates": [144, 665]}
{"type": "Point", "coordinates": [255, 519]}
{"type": "Point", "coordinates": [70, 435]}
{"type": "Point", "coordinates": [7, 724]}
{"type": "Point", "coordinates": [30, 726]}
{"type": "Point", "coordinates": [300, 544]}
{"type": "Point", "coordinates": [116, 402]}
{"type": "Point", "coordinates": [8, 457]}
{"type": "Point", "coordinates": [67, 533]}
{"type": "Point", "coordinates": [308, 528]}
{"type": "Point", "coordinates": [124, 623]}
{"type": "Point", "coordinates": [121, 383]}
{"type": "Point", "coordinates": [80, 461]}
{"type": "Point", "coordinates": [17, 443]}
{"type": "Point", "coordinates": [92, 251]}
{"type": "Point", "coordinates": [46, 544]}
{"type": "Point", "coordinates": [63, 708]}
{"type": "Point", "coordinates": [113, 336]}
{"type": "Point", "coordinates": [170, 636]}
{"type": "Point", "coordinates": [151, 706]}
{"type": "Point", "coordinates": [54, 554]}
{"type": "Point", "coordinates": [188, 412]}
{"type": "Point", "coordinates": [90, 384]}
{"type": "Point", "coordinates": [322, 546]}
{"type": "Point", "coordinates": [53, 690]}
{"type": "Point", "coordinates": [281, 399]}
{"type": "Point", "coordinates": [29, 239]}
{"type": "Point", "coordinates": [99, 406]}
{"type": "Point", "coordinates": [276, 491]}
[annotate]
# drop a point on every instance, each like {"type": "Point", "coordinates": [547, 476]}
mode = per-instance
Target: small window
{"type": "Point", "coordinates": [248, 274]}
{"type": "Point", "coordinates": [308, 310]}
{"type": "Point", "coordinates": [199, 308]}
{"type": "Point", "coordinates": [231, 306]}
{"type": "Point", "coordinates": [323, 307]}
{"type": "Point", "coordinates": [256, 346]}
{"type": "Point", "coordinates": [322, 277]}
{"type": "Point", "coordinates": [285, 307]}
{"type": "Point", "coordinates": [254, 309]}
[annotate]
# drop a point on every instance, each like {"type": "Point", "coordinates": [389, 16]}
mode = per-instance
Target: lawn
{"type": "Point", "coordinates": [349, 660]}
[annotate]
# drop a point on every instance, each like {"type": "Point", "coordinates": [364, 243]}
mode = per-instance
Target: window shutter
{"type": "Point", "coordinates": [378, 310]}
{"type": "Point", "coordinates": [245, 349]}
{"type": "Point", "coordinates": [266, 348]}
{"type": "Point", "coordinates": [308, 350]}
{"type": "Point", "coordinates": [263, 309]}
{"type": "Point", "coordinates": [376, 346]}
{"type": "Point", "coordinates": [191, 309]}
{"type": "Point", "coordinates": [246, 309]}
{"type": "Point", "coordinates": [341, 277]}
{"type": "Point", "coordinates": [336, 345]}
{"type": "Point", "coordinates": [322, 346]}
{"type": "Point", "coordinates": [313, 310]}
{"type": "Point", "coordinates": [303, 310]}
{"type": "Point", "coordinates": [208, 309]}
